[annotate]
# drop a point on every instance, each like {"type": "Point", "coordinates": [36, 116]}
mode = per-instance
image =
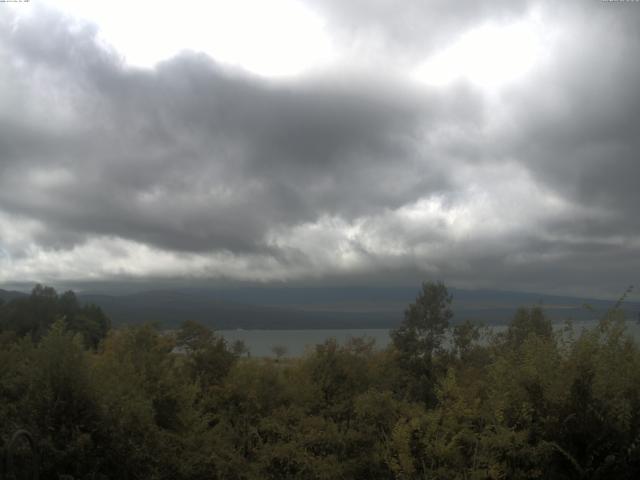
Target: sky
{"type": "Point", "coordinates": [487, 144]}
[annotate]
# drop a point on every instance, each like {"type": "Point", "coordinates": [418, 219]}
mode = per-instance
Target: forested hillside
{"type": "Point", "coordinates": [138, 403]}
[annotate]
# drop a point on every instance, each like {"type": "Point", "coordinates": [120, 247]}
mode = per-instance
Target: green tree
{"type": "Point", "coordinates": [465, 336]}
{"type": "Point", "coordinates": [60, 406]}
{"type": "Point", "coordinates": [33, 315]}
{"type": "Point", "coordinates": [419, 338]}
{"type": "Point", "coordinates": [528, 321]}
{"type": "Point", "coordinates": [279, 351]}
{"type": "Point", "coordinates": [149, 418]}
{"type": "Point", "coordinates": [208, 358]}
{"type": "Point", "coordinates": [425, 322]}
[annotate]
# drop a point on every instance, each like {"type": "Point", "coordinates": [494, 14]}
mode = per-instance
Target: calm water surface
{"type": "Point", "coordinates": [297, 342]}
{"type": "Point", "coordinates": [260, 342]}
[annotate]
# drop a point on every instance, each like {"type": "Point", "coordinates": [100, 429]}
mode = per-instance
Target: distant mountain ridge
{"type": "Point", "coordinates": [7, 295]}
{"type": "Point", "coordinates": [323, 308]}
{"type": "Point", "coordinates": [334, 308]}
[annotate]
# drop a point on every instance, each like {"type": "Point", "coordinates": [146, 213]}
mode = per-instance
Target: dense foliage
{"type": "Point", "coordinates": [441, 402]}
{"type": "Point", "coordinates": [32, 316]}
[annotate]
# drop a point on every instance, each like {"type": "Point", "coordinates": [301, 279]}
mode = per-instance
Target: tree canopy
{"type": "Point", "coordinates": [441, 402]}
{"type": "Point", "coordinates": [33, 315]}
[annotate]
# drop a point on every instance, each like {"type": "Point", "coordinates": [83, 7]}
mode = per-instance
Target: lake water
{"type": "Point", "coordinates": [260, 342]}
{"type": "Point", "coordinates": [297, 342]}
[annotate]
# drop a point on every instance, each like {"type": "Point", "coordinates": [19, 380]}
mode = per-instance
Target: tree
{"type": "Point", "coordinates": [420, 337]}
{"type": "Point", "coordinates": [528, 321]}
{"type": "Point", "coordinates": [239, 348]}
{"type": "Point", "coordinates": [35, 314]}
{"type": "Point", "coordinates": [464, 337]}
{"type": "Point", "coordinates": [59, 405]}
{"type": "Point", "coordinates": [208, 358]}
{"type": "Point", "coordinates": [425, 322]}
{"type": "Point", "coordinates": [279, 351]}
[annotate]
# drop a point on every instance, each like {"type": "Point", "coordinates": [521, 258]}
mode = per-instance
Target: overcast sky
{"type": "Point", "coordinates": [488, 144]}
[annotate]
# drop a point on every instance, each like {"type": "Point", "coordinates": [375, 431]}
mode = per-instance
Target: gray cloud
{"type": "Point", "coordinates": [329, 175]}
{"type": "Point", "coordinates": [577, 122]}
{"type": "Point", "coordinates": [192, 157]}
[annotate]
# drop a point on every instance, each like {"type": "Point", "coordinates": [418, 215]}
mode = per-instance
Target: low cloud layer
{"type": "Point", "coordinates": [198, 170]}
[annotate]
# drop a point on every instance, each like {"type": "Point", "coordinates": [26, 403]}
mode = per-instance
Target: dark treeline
{"type": "Point", "coordinates": [139, 403]}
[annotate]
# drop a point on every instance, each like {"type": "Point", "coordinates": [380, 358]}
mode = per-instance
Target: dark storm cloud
{"type": "Point", "coordinates": [335, 174]}
{"type": "Point", "coordinates": [578, 125]}
{"type": "Point", "coordinates": [194, 157]}
{"type": "Point", "coordinates": [572, 125]}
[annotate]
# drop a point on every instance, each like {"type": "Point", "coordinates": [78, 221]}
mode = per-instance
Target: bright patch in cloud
{"type": "Point", "coordinates": [275, 38]}
{"type": "Point", "coordinates": [490, 55]}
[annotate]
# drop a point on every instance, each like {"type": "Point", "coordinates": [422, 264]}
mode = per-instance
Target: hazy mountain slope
{"type": "Point", "coordinates": [7, 295]}
{"type": "Point", "coordinates": [300, 308]}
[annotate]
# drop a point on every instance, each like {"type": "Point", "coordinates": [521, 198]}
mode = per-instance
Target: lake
{"type": "Point", "coordinates": [296, 342]}
{"type": "Point", "coordinates": [260, 342]}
